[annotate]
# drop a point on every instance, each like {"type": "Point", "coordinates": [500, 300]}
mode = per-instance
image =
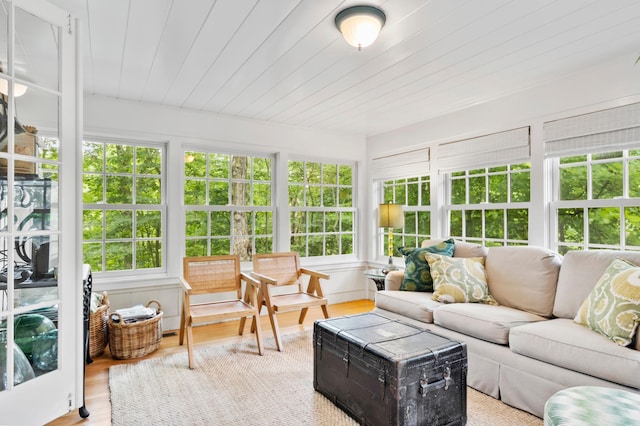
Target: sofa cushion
{"type": "Point", "coordinates": [486, 322]}
{"type": "Point", "coordinates": [566, 344]}
{"type": "Point", "coordinates": [416, 305]}
{"type": "Point", "coordinates": [462, 248]}
{"type": "Point", "coordinates": [579, 273]}
{"type": "Point", "coordinates": [523, 277]}
{"type": "Point", "coordinates": [417, 276]}
{"type": "Point", "coordinates": [459, 280]}
{"type": "Point", "coordinates": [613, 306]}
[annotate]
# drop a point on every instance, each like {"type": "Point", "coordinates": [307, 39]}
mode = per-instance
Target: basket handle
{"type": "Point", "coordinates": [118, 323]}
{"type": "Point", "coordinates": [159, 309]}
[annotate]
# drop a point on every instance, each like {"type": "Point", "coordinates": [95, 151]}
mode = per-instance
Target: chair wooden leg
{"type": "Point", "coordinates": [190, 346]}
{"type": "Point", "coordinates": [182, 324]}
{"type": "Point", "coordinates": [325, 312]}
{"type": "Point", "coordinates": [243, 321]}
{"type": "Point", "coordinates": [274, 327]}
{"type": "Point", "coordinates": [259, 335]}
{"type": "Point", "coordinates": [303, 313]}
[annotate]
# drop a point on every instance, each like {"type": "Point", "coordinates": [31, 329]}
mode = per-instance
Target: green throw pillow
{"type": "Point", "coordinates": [416, 269]}
{"type": "Point", "coordinates": [613, 306]}
{"type": "Point", "coordinates": [459, 279]}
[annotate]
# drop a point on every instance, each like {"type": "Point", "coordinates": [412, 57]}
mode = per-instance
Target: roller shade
{"type": "Point", "coordinates": [508, 147]}
{"type": "Point", "coordinates": [607, 130]}
{"type": "Point", "coordinates": [405, 164]}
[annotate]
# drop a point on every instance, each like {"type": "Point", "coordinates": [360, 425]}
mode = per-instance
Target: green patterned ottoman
{"type": "Point", "coordinates": [592, 405]}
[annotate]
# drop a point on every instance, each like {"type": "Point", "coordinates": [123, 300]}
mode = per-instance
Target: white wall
{"type": "Point", "coordinates": [108, 117]}
{"type": "Point", "coordinates": [605, 86]}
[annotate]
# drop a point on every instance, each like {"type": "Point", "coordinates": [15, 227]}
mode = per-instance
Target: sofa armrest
{"type": "Point", "coordinates": [393, 280]}
{"type": "Point", "coordinates": [637, 345]}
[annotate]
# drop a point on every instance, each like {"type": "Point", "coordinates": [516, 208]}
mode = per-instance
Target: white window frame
{"type": "Point", "coordinates": [104, 207]}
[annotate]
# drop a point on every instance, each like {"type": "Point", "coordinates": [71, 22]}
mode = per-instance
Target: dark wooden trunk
{"type": "Point", "coordinates": [386, 372]}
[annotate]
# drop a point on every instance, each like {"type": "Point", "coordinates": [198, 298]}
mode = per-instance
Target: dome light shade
{"type": "Point", "coordinates": [360, 25]}
{"type": "Point", "coordinates": [18, 89]}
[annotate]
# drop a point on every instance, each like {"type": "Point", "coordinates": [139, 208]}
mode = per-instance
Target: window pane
{"type": "Point", "coordinates": [264, 245]}
{"type": "Point", "coordinates": [329, 174]}
{"type": "Point", "coordinates": [477, 190]}
{"type": "Point", "coordinates": [331, 222]}
{"type": "Point", "coordinates": [455, 225]}
{"type": "Point", "coordinates": [632, 225]}
{"type": "Point", "coordinates": [604, 225]}
{"type": "Point", "coordinates": [148, 161]}
{"type": "Point", "coordinates": [607, 180]}
{"type": "Point", "coordinates": [148, 224]}
{"type": "Point", "coordinates": [458, 195]}
{"type": "Point", "coordinates": [520, 187]}
{"type": "Point", "coordinates": [573, 183]}
{"type": "Point", "coordinates": [315, 246]}
{"type": "Point", "coordinates": [473, 222]}
{"type": "Point", "coordinates": [518, 224]}
{"type": "Point", "coordinates": [346, 244]}
{"type": "Point", "coordinates": [494, 223]}
{"type": "Point", "coordinates": [119, 158]}
{"type": "Point", "coordinates": [240, 194]}
{"type": "Point", "coordinates": [313, 196]}
{"type": "Point", "coordinates": [148, 191]}
{"type": "Point", "coordinates": [634, 178]}
{"type": "Point", "coordinates": [296, 171]}
{"type": "Point", "coordinates": [196, 247]}
{"type": "Point", "coordinates": [571, 225]}
{"type": "Point", "coordinates": [410, 219]}
{"type": "Point", "coordinates": [299, 244]}
{"type": "Point", "coordinates": [261, 194]}
{"type": "Point", "coordinates": [195, 192]}
{"type": "Point", "coordinates": [412, 194]}
{"type": "Point", "coordinates": [92, 189]}
{"type": "Point", "coordinates": [220, 223]}
{"type": "Point", "coordinates": [92, 255]}
{"type": "Point", "coordinates": [296, 195]}
{"type": "Point", "coordinates": [264, 223]}
{"type": "Point", "coordinates": [346, 198]}
{"type": "Point", "coordinates": [313, 173]}
{"type": "Point", "coordinates": [329, 197]}
{"type": "Point", "coordinates": [262, 169]}
{"type": "Point", "coordinates": [498, 188]}
{"type": "Point", "coordinates": [424, 223]}
{"type": "Point", "coordinates": [148, 254]}
{"type": "Point", "coordinates": [298, 222]}
{"type": "Point", "coordinates": [316, 221]}
{"type": "Point", "coordinates": [345, 175]}
{"type": "Point", "coordinates": [426, 192]}
{"type": "Point", "coordinates": [119, 224]}
{"type": "Point", "coordinates": [196, 225]}
{"type": "Point", "coordinates": [218, 166]}
{"type": "Point", "coordinates": [92, 225]}
{"type": "Point", "coordinates": [119, 189]}
{"type": "Point", "coordinates": [119, 256]}
{"type": "Point", "coordinates": [332, 247]}
{"type": "Point", "coordinates": [92, 157]}
{"type": "Point", "coordinates": [346, 223]}
{"type": "Point", "coordinates": [220, 246]}
{"type": "Point", "coordinates": [195, 164]}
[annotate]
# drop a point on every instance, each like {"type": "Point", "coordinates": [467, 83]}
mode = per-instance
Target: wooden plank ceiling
{"type": "Point", "coordinates": [284, 61]}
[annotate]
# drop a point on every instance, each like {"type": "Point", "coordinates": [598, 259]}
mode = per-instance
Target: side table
{"type": "Point", "coordinates": [377, 276]}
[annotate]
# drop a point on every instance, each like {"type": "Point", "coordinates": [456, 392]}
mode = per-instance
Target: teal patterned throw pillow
{"type": "Point", "coordinates": [417, 275]}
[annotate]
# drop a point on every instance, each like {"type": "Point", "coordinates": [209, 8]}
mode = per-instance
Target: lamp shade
{"type": "Point", "coordinates": [360, 25]}
{"type": "Point", "coordinates": [18, 89]}
{"type": "Point", "coordinates": [390, 216]}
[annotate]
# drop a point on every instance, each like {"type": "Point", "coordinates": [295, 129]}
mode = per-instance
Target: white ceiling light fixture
{"type": "Point", "coordinates": [18, 89]}
{"type": "Point", "coordinates": [360, 25]}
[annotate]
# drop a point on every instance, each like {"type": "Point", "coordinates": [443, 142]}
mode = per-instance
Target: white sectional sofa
{"type": "Point", "coordinates": [527, 347]}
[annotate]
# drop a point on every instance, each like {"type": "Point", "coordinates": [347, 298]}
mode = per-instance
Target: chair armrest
{"type": "Point", "coordinates": [250, 280]}
{"type": "Point", "coordinates": [264, 279]}
{"type": "Point", "coordinates": [393, 280]}
{"type": "Point", "coordinates": [315, 273]}
{"type": "Point", "coordinates": [185, 285]}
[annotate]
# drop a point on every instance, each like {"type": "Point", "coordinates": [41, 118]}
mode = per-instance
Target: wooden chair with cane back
{"type": "Point", "coordinates": [281, 270]}
{"type": "Point", "coordinates": [207, 275]}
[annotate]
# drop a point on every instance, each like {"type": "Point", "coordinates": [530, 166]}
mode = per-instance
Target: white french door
{"type": "Point", "coordinates": [41, 357]}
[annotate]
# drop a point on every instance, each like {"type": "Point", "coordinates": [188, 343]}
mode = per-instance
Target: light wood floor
{"type": "Point", "coordinates": [97, 373]}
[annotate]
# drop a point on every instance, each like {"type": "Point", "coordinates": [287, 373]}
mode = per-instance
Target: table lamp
{"type": "Point", "coordinates": [390, 216]}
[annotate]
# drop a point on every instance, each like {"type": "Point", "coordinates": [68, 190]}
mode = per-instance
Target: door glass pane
{"type": "Point", "coordinates": [36, 53]}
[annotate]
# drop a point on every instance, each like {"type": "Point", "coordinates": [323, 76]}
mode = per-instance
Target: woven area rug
{"type": "Point", "coordinates": [233, 385]}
